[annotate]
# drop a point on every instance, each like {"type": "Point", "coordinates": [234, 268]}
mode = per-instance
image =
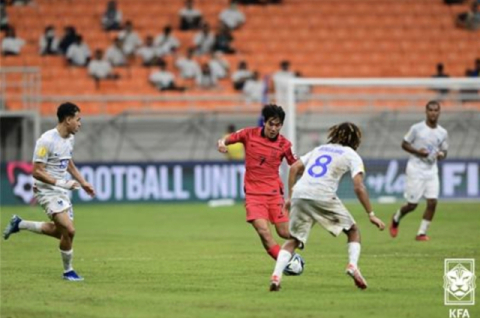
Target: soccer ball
{"type": "Point", "coordinates": [295, 267]}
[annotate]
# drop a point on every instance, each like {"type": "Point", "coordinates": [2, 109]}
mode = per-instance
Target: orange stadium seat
{"type": "Point", "coordinates": [321, 39]}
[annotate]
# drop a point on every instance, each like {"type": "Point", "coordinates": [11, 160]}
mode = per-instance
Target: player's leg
{"type": "Point", "coordinates": [262, 228]}
{"type": "Point", "coordinates": [64, 224]}
{"type": "Point", "coordinates": [432, 190]}
{"type": "Point", "coordinates": [17, 224]}
{"type": "Point", "coordinates": [354, 249]}
{"type": "Point", "coordinates": [278, 216]}
{"type": "Point", "coordinates": [284, 256]}
{"type": "Point", "coordinates": [299, 226]}
{"type": "Point", "coordinates": [414, 190]}
{"type": "Point", "coordinates": [257, 215]}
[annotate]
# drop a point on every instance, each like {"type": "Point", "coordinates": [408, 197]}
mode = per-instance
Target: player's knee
{"type": "Point", "coordinates": [411, 206]}
{"type": "Point", "coordinates": [283, 233]}
{"type": "Point", "coordinates": [264, 233]}
{"type": "Point", "coordinates": [69, 232]}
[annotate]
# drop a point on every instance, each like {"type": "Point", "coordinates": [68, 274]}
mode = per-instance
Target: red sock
{"type": "Point", "coordinates": [273, 251]}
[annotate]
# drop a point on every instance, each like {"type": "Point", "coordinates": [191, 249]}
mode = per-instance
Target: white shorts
{"type": "Point", "coordinates": [53, 201]}
{"type": "Point", "coordinates": [417, 187]}
{"type": "Point", "coordinates": [332, 215]}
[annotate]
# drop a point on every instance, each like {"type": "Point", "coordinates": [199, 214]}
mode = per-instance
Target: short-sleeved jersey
{"type": "Point", "coordinates": [263, 158]}
{"type": "Point", "coordinates": [55, 152]}
{"type": "Point", "coordinates": [324, 168]}
{"type": "Point", "coordinates": [421, 136]}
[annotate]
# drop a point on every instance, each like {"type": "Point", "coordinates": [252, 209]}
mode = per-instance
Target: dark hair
{"type": "Point", "coordinates": [273, 111]}
{"type": "Point", "coordinates": [66, 110]}
{"type": "Point", "coordinates": [345, 134]}
{"type": "Point", "coordinates": [433, 102]}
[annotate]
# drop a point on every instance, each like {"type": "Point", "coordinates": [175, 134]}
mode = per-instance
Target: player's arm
{"type": "Point", "coordinates": [41, 174]}
{"type": "Point", "coordinates": [417, 152]}
{"type": "Point", "coordinates": [233, 138]}
{"type": "Point", "coordinates": [296, 170]}
{"type": "Point", "coordinates": [72, 169]}
{"type": "Point", "coordinates": [362, 195]}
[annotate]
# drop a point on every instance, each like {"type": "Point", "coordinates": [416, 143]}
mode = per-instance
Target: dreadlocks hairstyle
{"type": "Point", "coordinates": [273, 111]}
{"type": "Point", "coordinates": [345, 134]}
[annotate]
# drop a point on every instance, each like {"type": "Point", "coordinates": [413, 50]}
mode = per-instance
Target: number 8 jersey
{"type": "Point", "coordinates": [324, 168]}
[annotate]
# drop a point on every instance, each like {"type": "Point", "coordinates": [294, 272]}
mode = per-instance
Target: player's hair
{"type": "Point", "coordinates": [66, 110]}
{"type": "Point", "coordinates": [433, 102]}
{"type": "Point", "coordinates": [346, 134]}
{"type": "Point", "coordinates": [273, 111]}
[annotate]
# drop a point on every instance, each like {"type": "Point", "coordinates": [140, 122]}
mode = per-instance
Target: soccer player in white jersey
{"type": "Point", "coordinates": [51, 161]}
{"type": "Point", "coordinates": [427, 142]}
{"type": "Point", "coordinates": [313, 199]}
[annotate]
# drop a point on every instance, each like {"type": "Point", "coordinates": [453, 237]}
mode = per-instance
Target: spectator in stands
{"type": "Point", "coordinates": [3, 18]}
{"type": "Point", "coordinates": [283, 73]}
{"type": "Point", "coordinates": [205, 79]}
{"type": "Point", "coordinates": [476, 70]}
{"type": "Point", "coordinates": [78, 54]}
{"type": "Point", "coordinates": [130, 39]}
{"type": "Point", "coordinates": [100, 69]}
{"type": "Point", "coordinates": [470, 20]}
{"type": "Point", "coordinates": [190, 18]}
{"type": "Point", "coordinates": [163, 79]}
{"type": "Point", "coordinates": [204, 40]}
{"type": "Point", "coordinates": [232, 17]}
{"type": "Point", "coordinates": [218, 65]}
{"type": "Point", "coordinates": [188, 66]}
{"type": "Point", "coordinates": [166, 42]}
{"type": "Point", "coordinates": [147, 52]}
{"type": "Point", "coordinates": [223, 40]}
{"type": "Point", "coordinates": [441, 74]}
{"type": "Point", "coordinates": [254, 88]}
{"type": "Point", "coordinates": [11, 45]}
{"type": "Point", "coordinates": [49, 43]}
{"type": "Point", "coordinates": [112, 18]}
{"type": "Point", "coordinates": [241, 75]}
{"type": "Point", "coordinates": [115, 54]}
{"type": "Point", "coordinates": [69, 37]}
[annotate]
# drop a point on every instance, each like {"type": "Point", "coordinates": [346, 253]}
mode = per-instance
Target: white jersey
{"type": "Point", "coordinates": [324, 168]}
{"type": "Point", "coordinates": [421, 136]}
{"type": "Point", "coordinates": [55, 152]}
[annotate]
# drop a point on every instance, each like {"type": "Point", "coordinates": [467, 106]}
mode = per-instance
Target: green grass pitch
{"type": "Point", "coordinates": [189, 260]}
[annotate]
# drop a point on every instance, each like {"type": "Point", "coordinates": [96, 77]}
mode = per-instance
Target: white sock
{"type": "Point", "coordinates": [397, 216]}
{"type": "Point", "coordinates": [423, 227]}
{"type": "Point", "coordinates": [67, 257]}
{"type": "Point", "coordinates": [282, 262]}
{"type": "Point", "coordinates": [353, 253]}
{"type": "Point", "coordinates": [32, 226]}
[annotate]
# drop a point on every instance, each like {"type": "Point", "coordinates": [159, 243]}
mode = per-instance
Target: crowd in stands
{"type": "Point", "coordinates": [200, 65]}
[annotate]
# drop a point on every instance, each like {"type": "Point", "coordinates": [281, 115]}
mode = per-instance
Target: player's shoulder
{"type": "Point", "coordinates": [442, 129]}
{"type": "Point", "coordinates": [419, 125]}
{"type": "Point", "coordinates": [49, 136]}
{"type": "Point", "coordinates": [283, 142]}
{"type": "Point", "coordinates": [250, 131]}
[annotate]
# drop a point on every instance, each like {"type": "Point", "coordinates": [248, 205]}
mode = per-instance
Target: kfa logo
{"type": "Point", "coordinates": [459, 281]}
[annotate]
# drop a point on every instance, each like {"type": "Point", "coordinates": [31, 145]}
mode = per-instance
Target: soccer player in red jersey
{"type": "Point", "coordinates": [265, 149]}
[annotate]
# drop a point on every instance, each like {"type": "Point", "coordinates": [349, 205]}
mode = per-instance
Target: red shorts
{"type": "Point", "coordinates": [267, 207]}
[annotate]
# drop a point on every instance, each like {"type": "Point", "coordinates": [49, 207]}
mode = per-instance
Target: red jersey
{"type": "Point", "coordinates": [262, 160]}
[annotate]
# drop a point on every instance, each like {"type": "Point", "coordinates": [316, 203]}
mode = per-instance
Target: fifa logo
{"type": "Point", "coordinates": [459, 281]}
